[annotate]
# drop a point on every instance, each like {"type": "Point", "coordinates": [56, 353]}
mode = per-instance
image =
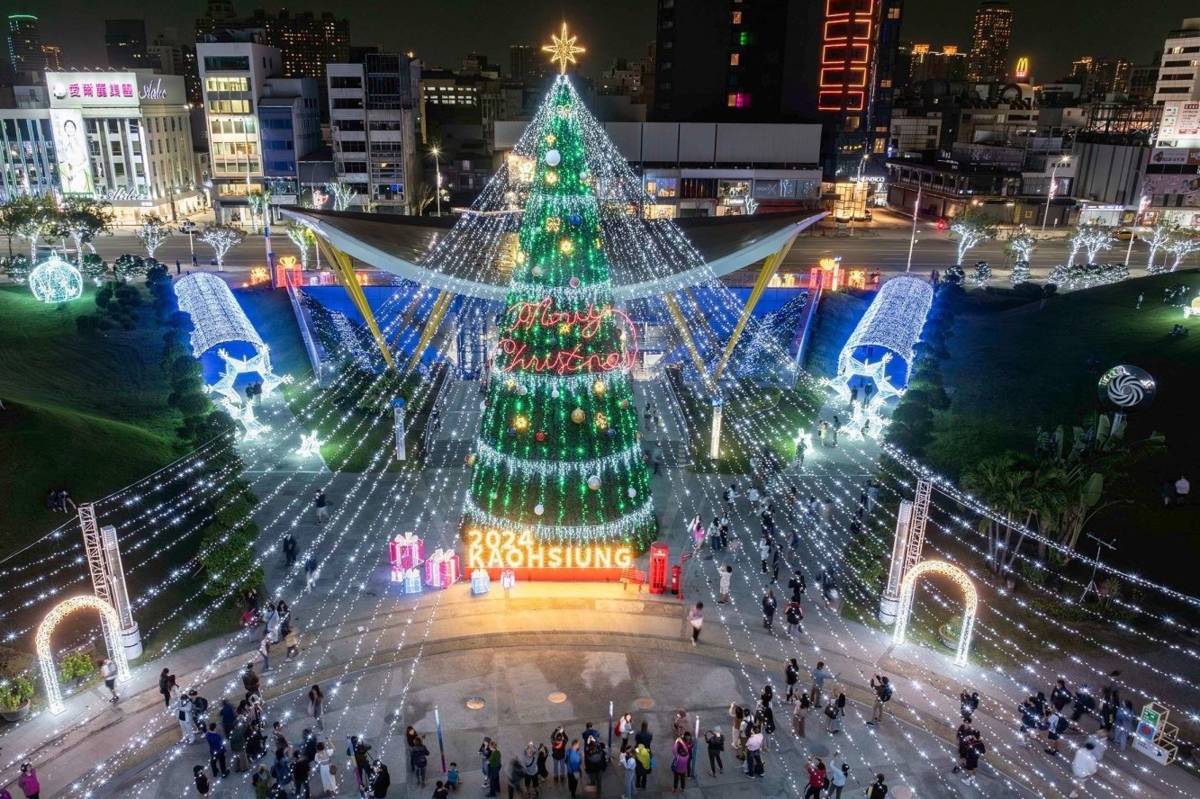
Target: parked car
{"type": "Point", "coordinates": [1124, 234]}
{"type": "Point", "coordinates": [188, 226]}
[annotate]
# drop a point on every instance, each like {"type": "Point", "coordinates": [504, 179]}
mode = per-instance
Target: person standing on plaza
{"type": "Point", "coordinates": [530, 765]}
{"type": "Point", "coordinates": [558, 753]}
{"type": "Point", "coordinates": [819, 676]}
{"type": "Point", "coordinates": [264, 651]}
{"type": "Point", "coordinates": [381, 780]}
{"type": "Point", "coordinates": [695, 618]}
{"type": "Point", "coordinates": [725, 579]}
{"type": "Point", "coordinates": [322, 505]}
{"type": "Point", "coordinates": [791, 676]}
{"type": "Point", "coordinates": [625, 729]}
{"type": "Point", "coordinates": [1083, 766]}
{"type": "Point", "coordinates": [800, 714]}
{"type": "Point", "coordinates": [793, 614]}
{"type": "Point", "coordinates": [289, 549]}
{"type": "Point", "coordinates": [326, 770]}
{"type": "Point", "coordinates": [1123, 722]}
{"type": "Point", "coordinates": [494, 762]}
{"type": "Point", "coordinates": [316, 705]}
{"type": "Point", "coordinates": [420, 759]}
{"type": "Point", "coordinates": [815, 767]}
{"type": "Point", "coordinates": [680, 755]}
{"type": "Point", "coordinates": [183, 714]}
{"type": "Point", "coordinates": [768, 609]}
{"type": "Point", "coordinates": [877, 789]}
{"type": "Point", "coordinates": [164, 687]}
{"type": "Point", "coordinates": [883, 695]}
{"type": "Point", "coordinates": [835, 711]}
{"type": "Point", "coordinates": [764, 552]}
{"type": "Point", "coordinates": [837, 774]}
{"type": "Point", "coordinates": [754, 746]}
{"type": "Point", "coordinates": [715, 742]}
{"type": "Point", "coordinates": [642, 754]}
{"type": "Point", "coordinates": [629, 766]}
{"type": "Point", "coordinates": [28, 782]}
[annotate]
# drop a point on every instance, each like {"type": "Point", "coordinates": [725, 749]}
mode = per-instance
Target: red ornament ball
{"type": "Point", "coordinates": [540, 435]}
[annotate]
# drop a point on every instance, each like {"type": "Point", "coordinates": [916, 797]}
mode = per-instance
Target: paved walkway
{"type": "Point", "coordinates": [385, 658]}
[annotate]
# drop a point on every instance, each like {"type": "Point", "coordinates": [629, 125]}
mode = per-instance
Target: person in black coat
{"type": "Point", "coordinates": [380, 780]}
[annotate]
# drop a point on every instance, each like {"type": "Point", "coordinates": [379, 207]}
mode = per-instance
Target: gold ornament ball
{"type": "Point", "coordinates": [598, 388]}
{"type": "Point", "coordinates": [577, 416]}
{"type": "Point", "coordinates": [551, 177]}
{"type": "Point", "coordinates": [566, 246]}
{"type": "Point", "coordinates": [625, 403]}
{"type": "Point", "coordinates": [521, 423]}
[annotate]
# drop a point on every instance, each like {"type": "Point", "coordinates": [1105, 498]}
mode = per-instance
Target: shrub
{"type": "Point", "coordinates": [15, 692]}
{"type": "Point", "coordinates": [17, 268]}
{"type": "Point", "coordinates": [76, 666]}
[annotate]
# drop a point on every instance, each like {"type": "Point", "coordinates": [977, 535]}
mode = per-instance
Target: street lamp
{"type": "Point", "coordinates": [437, 168]}
{"type": "Point", "coordinates": [1066, 160]}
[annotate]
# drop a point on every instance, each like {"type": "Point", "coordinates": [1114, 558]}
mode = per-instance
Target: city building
{"type": "Point", "coordinates": [1099, 77]}
{"type": "Point", "coordinates": [290, 119]}
{"type": "Point", "coordinates": [990, 35]}
{"type": "Point", "coordinates": [54, 57]}
{"type": "Point", "coordinates": [373, 108]}
{"type": "Point", "coordinates": [946, 64]}
{"type": "Point", "coordinates": [123, 137]}
{"type": "Point", "coordinates": [1108, 171]}
{"type": "Point", "coordinates": [713, 169]}
{"type": "Point", "coordinates": [28, 162]}
{"type": "Point", "coordinates": [1143, 80]}
{"type": "Point", "coordinates": [722, 61]}
{"type": "Point", "coordinates": [25, 44]}
{"type": "Point", "coordinates": [234, 77]}
{"type": "Point", "coordinates": [913, 132]}
{"type": "Point", "coordinates": [125, 43]}
{"type": "Point", "coordinates": [1179, 70]}
{"type": "Point", "coordinates": [888, 75]}
{"type": "Point", "coordinates": [166, 55]}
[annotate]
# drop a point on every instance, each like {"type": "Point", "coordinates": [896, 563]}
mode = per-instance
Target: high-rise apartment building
{"type": "Point", "coordinates": [25, 44]}
{"type": "Point", "coordinates": [1100, 76]}
{"type": "Point", "coordinates": [990, 36]}
{"type": "Point", "coordinates": [125, 43]}
{"type": "Point", "coordinates": [1179, 71]}
{"type": "Point", "coordinates": [717, 60]}
{"type": "Point", "coordinates": [373, 121]}
{"type": "Point", "coordinates": [925, 63]}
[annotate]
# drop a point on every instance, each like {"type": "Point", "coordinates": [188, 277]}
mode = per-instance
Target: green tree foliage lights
{"type": "Point", "coordinates": [558, 449]}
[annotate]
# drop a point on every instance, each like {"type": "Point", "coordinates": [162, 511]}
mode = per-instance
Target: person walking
{"type": "Point", "coordinates": [768, 609]}
{"type": "Point", "coordinates": [883, 695]}
{"type": "Point", "coordinates": [301, 771]}
{"type": "Point", "coordinates": [793, 614]}
{"type": "Point", "coordinates": [264, 651]}
{"type": "Point", "coordinates": [877, 789]}
{"type": "Point", "coordinates": [595, 761]}
{"type": "Point", "coordinates": [695, 619]}
{"type": "Point", "coordinates": [164, 687]}
{"type": "Point", "coordinates": [680, 755]}
{"type": "Point", "coordinates": [1083, 766]}
{"type": "Point", "coordinates": [216, 750]}
{"type": "Point", "coordinates": [250, 680]}
{"type": "Point", "coordinates": [289, 549]}
{"type": "Point", "coordinates": [1123, 722]}
{"type": "Point", "coordinates": [716, 745]}
{"type": "Point", "coordinates": [764, 552]}
{"type": "Point", "coordinates": [316, 705]}
{"type": "Point", "coordinates": [183, 714]}
{"type": "Point", "coordinates": [108, 670]}
{"type": "Point", "coordinates": [310, 571]}
{"type": "Point", "coordinates": [629, 764]}
{"type": "Point", "coordinates": [574, 767]}
{"type": "Point", "coordinates": [724, 583]}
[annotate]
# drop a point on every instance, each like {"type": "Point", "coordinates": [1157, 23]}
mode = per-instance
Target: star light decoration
{"type": "Point", "coordinates": [310, 445]}
{"type": "Point", "coordinates": [563, 49]}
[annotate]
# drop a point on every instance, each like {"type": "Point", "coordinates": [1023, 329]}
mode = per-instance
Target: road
{"type": "Point", "coordinates": [881, 246]}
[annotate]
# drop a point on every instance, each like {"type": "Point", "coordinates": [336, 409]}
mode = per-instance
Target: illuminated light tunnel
{"type": "Point", "coordinates": [880, 350]}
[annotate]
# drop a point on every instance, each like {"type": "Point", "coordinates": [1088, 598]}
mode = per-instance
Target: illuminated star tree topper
{"type": "Point", "coordinates": [563, 49]}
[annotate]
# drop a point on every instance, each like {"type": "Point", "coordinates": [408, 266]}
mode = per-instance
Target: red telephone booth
{"type": "Point", "coordinates": [659, 558]}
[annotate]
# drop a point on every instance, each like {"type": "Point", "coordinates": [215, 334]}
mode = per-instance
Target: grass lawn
{"type": "Point", "coordinates": [837, 315]}
{"type": "Point", "coordinates": [1014, 368]}
{"type": "Point", "coordinates": [86, 412]}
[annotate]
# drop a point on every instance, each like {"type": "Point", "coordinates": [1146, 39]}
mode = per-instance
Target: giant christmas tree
{"type": "Point", "coordinates": [558, 455]}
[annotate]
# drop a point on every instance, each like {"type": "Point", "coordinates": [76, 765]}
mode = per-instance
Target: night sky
{"type": "Point", "coordinates": [1052, 32]}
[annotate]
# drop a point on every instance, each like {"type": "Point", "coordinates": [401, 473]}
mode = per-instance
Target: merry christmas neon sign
{"type": "Point", "coordinates": [527, 316]}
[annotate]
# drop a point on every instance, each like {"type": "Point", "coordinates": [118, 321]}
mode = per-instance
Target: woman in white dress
{"type": "Point", "coordinates": [326, 769]}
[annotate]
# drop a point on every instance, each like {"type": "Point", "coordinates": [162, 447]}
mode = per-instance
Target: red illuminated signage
{"type": "Point", "coordinates": [845, 55]}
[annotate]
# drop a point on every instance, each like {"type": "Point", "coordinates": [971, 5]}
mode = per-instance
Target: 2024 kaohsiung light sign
{"type": "Point", "coordinates": [531, 558]}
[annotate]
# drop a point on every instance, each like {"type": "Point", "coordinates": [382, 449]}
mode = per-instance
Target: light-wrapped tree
{"type": "Point", "coordinates": [558, 452]}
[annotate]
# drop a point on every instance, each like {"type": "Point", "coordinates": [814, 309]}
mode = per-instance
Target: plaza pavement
{"type": "Point", "coordinates": [386, 660]}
